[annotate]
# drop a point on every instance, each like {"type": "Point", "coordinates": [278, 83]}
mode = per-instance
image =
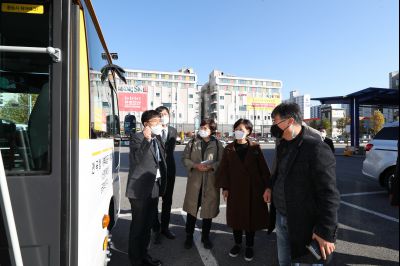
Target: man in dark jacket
{"type": "Point", "coordinates": [304, 189]}
{"type": "Point", "coordinates": [146, 182]}
{"type": "Point", "coordinates": [168, 137]}
{"type": "Point", "coordinates": [327, 140]}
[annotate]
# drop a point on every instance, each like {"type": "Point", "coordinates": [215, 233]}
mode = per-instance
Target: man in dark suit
{"type": "Point", "coordinates": [168, 137]}
{"type": "Point", "coordinates": [326, 139]}
{"type": "Point", "coordinates": [146, 182]}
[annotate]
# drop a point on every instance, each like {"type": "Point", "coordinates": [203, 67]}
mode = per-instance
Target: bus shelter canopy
{"type": "Point", "coordinates": [374, 97]}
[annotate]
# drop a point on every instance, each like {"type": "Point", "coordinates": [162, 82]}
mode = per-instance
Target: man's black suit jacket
{"type": "Point", "coordinates": [330, 144]}
{"type": "Point", "coordinates": [143, 167]}
{"type": "Point", "coordinates": [169, 151]}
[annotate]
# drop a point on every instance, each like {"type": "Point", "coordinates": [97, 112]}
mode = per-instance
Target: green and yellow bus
{"type": "Point", "coordinates": [59, 133]}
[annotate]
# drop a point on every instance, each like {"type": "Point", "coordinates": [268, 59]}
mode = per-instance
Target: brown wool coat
{"type": "Point", "coordinates": [246, 182]}
{"type": "Point", "coordinates": [202, 180]}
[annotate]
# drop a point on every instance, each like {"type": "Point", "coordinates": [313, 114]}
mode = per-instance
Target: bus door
{"type": "Point", "coordinates": [31, 70]}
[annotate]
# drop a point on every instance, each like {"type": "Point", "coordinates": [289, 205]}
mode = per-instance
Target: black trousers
{"type": "Point", "coordinates": [166, 207]}
{"type": "Point", "coordinates": [143, 211]}
{"type": "Point", "coordinates": [237, 234]}
{"type": "Point", "coordinates": [191, 222]}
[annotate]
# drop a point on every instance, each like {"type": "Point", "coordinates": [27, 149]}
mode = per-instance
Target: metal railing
{"type": "Point", "coordinates": [8, 216]}
{"type": "Point", "coordinates": [54, 53]}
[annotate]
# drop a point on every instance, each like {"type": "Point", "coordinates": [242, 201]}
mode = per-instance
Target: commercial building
{"type": "Point", "coordinates": [333, 112]}
{"type": "Point", "coordinates": [304, 101]}
{"type": "Point", "coordinates": [227, 98]}
{"type": "Point", "coordinates": [315, 111]}
{"type": "Point", "coordinates": [149, 89]}
{"type": "Point", "coordinates": [394, 80]}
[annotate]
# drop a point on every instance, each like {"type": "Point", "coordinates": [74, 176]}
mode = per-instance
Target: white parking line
{"type": "Point", "coordinates": [363, 193]}
{"type": "Point", "coordinates": [176, 210]}
{"type": "Point", "coordinates": [205, 254]}
{"type": "Point", "coordinates": [371, 212]}
{"type": "Point", "coordinates": [118, 250]}
{"type": "Point", "coordinates": [180, 210]}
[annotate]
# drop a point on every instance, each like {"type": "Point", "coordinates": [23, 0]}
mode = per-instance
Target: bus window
{"type": "Point", "coordinates": [116, 114]}
{"type": "Point", "coordinates": [130, 124]}
{"type": "Point", "coordinates": [101, 93]}
{"type": "Point", "coordinates": [24, 91]}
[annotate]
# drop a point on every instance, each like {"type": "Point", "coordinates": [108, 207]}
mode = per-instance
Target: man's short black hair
{"type": "Point", "coordinates": [288, 110]}
{"type": "Point", "coordinates": [162, 108]}
{"type": "Point", "coordinates": [211, 124]}
{"type": "Point", "coordinates": [148, 115]}
{"type": "Point", "coordinates": [247, 124]}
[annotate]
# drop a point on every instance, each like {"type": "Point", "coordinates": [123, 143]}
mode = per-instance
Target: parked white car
{"type": "Point", "coordinates": [381, 155]}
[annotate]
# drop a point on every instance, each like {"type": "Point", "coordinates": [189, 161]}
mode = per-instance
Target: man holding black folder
{"type": "Point", "coordinates": [304, 190]}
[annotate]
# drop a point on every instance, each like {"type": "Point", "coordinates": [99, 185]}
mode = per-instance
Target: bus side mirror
{"type": "Point", "coordinates": [129, 124]}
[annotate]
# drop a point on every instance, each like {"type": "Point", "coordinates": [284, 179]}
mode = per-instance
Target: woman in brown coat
{"type": "Point", "coordinates": [201, 158]}
{"type": "Point", "coordinates": [243, 175]}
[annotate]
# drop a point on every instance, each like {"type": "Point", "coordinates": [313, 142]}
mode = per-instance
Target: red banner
{"type": "Point", "coordinates": [132, 102]}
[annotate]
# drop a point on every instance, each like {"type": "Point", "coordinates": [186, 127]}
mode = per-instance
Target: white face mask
{"type": "Point", "coordinates": [203, 133]}
{"type": "Point", "coordinates": [156, 130]}
{"type": "Point", "coordinates": [165, 120]}
{"type": "Point", "coordinates": [323, 134]}
{"type": "Point", "coordinates": [240, 134]}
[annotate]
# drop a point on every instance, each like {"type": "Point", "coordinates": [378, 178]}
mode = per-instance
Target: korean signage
{"type": "Point", "coordinates": [128, 88]}
{"type": "Point", "coordinates": [132, 102]}
{"type": "Point", "coordinates": [262, 104]}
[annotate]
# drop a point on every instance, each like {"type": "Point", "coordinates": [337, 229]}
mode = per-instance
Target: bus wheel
{"type": "Point", "coordinates": [111, 213]}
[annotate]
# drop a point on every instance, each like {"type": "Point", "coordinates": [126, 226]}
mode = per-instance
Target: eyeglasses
{"type": "Point", "coordinates": [154, 121]}
{"type": "Point", "coordinates": [279, 122]}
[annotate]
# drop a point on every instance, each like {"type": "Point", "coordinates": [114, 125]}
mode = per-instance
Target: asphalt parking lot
{"type": "Point", "coordinates": [368, 235]}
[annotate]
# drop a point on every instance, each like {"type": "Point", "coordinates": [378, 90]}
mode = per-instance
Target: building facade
{"type": "Point", "coordinates": [304, 101]}
{"type": "Point", "coordinates": [333, 113]}
{"type": "Point", "coordinates": [146, 90]}
{"type": "Point", "coordinates": [394, 80]}
{"type": "Point", "coordinates": [227, 98]}
{"type": "Point", "coordinates": [315, 111]}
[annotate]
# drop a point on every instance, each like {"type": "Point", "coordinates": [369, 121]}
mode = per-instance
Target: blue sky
{"type": "Point", "coordinates": [324, 48]}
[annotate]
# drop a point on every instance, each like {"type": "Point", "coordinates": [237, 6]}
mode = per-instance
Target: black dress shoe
{"type": "Point", "coordinates": [168, 234]}
{"type": "Point", "coordinates": [189, 241]}
{"type": "Point", "coordinates": [207, 243]}
{"type": "Point", "coordinates": [149, 261]}
{"type": "Point", "coordinates": [157, 238]}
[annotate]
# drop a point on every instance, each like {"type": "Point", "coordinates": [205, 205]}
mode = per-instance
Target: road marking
{"type": "Point", "coordinates": [179, 210]}
{"type": "Point", "coordinates": [123, 215]}
{"type": "Point", "coordinates": [369, 211]}
{"type": "Point", "coordinates": [363, 193]}
{"type": "Point", "coordinates": [343, 226]}
{"type": "Point", "coordinates": [176, 210]}
{"type": "Point", "coordinates": [205, 254]}
{"type": "Point", "coordinates": [118, 250]}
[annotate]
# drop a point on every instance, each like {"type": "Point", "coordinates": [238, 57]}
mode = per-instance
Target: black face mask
{"type": "Point", "coordinates": [276, 131]}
